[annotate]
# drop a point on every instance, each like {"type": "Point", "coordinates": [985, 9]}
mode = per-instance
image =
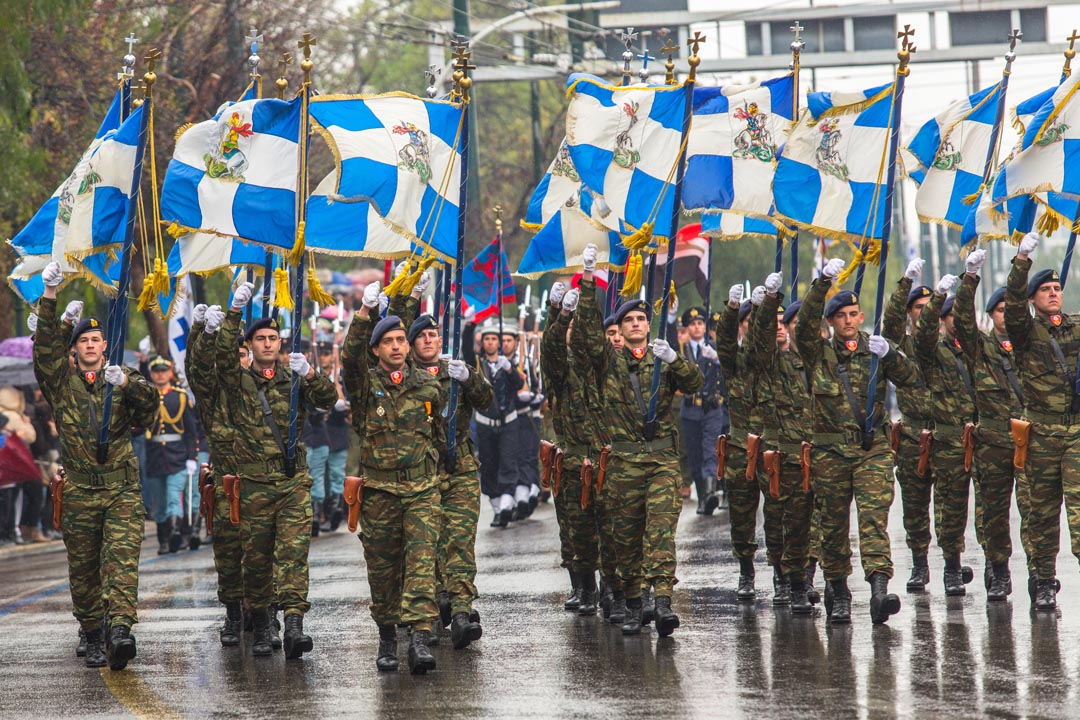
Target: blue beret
{"type": "Point", "coordinates": [632, 306]}
{"type": "Point", "coordinates": [744, 309]}
{"type": "Point", "coordinates": [86, 325]}
{"type": "Point", "coordinates": [842, 299]}
{"type": "Point", "coordinates": [240, 340]}
{"type": "Point", "coordinates": [388, 323]}
{"type": "Point", "coordinates": [996, 297]}
{"type": "Point", "coordinates": [609, 321]}
{"type": "Point", "coordinates": [791, 312]}
{"type": "Point", "coordinates": [922, 291]}
{"type": "Point", "coordinates": [947, 306]}
{"type": "Point", "coordinates": [264, 324]}
{"type": "Point", "coordinates": [1041, 278]}
{"type": "Point", "coordinates": [694, 313]}
{"type": "Point", "coordinates": [420, 324]}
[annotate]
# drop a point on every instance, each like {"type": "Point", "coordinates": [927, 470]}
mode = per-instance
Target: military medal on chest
{"type": "Point", "coordinates": [380, 411]}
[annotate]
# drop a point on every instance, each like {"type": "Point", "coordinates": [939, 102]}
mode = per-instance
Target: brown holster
{"type": "Point", "coordinates": [968, 440]}
{"type": "Point", "coordinates": [354, 495]}
{"type": "Point", "coordinates": [232, 494]}
{"type": "Point", "coordinates": [772, 469]}
{"type": "Point", "coordinates": [206, 496]}
{"type": "Point", "coordinates": [721, 457]}
{"type": "Point", "coordinates": [601, 469]}
{"type": "Point", "coordinates": [895, 435]}
{"type": "Point", "coordinates": [56, 487]}
{"type": "Point", "coordinates": [586, 482]}
{"type": "Point", "coordinates": [753, 449]}
{"type": "Point", "coordinates": [1021, 432]}
{"type": "Point", "coordinates": [547, 451]}
{"type": "Point", "coordinates": [926, 446]}
{"type": "Point", "coordinates": [804, 462]}
{"type": "Point", "coordinates": [556, 482]}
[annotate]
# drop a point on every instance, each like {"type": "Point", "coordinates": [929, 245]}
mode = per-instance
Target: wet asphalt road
{"type": "Point", "coordinates": [937, 658]}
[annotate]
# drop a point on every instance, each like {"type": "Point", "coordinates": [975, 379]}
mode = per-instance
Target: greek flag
{"type": "Point", "coordinates": [731, 226]}
{"type": "Point", "coordinates": [234, 176]}
{"type": "Point", "coordinates": [624, 143]}
{"type": "Point", "coordinates": [733, 145]}
{"type": "Point", "coordinates": [559, 189]}
{"type": "Point", "coordinates": [831, 175]}
{"type": "Point", "coordinates": [561, 241]}
{"type": "Point", "coordinates": [99, 270]}
{"type": "Point", "coordinates": [350, 228]}
{"type": "Point", "coordinates": [402, 155]}
{"type": "Point", "coordinates": [947, 157]}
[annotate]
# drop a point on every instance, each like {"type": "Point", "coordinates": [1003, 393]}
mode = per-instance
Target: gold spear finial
{"type": "Point", "coordinates": [498, 218]}
{"type": "Point", "coordinates": [906, 48]}
{"type": "Point", "coordinates": [282, 82]}
{"type": "Point", "coordinates": [693, 61]}
{"type": "Point", "coordinates": [669, 49]}
{"type": "Point", "coordinates": [306, 64]}
{"type": "Point", "coordinates": [1070, 53]}
{"type": "Point", "coordinates": [150, 77]}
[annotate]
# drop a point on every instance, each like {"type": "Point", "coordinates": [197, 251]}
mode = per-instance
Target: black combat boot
{"type": "Point", "coordinates": [587, 582]}
{"type": "Point", "coordinates": [474, 616]}
{"type": "Point", "coordinates": [261, 645]}
{"type": "Point", "coordinates": [80, 649]}
{"type": "Point", "coordinates": [837, 602]}
{"type": "Point", "coordinates": [387, 660]}
{"type": "Point", "coordinates": [632, 621]}
{"type": "Point", "coordinates": [666, 619]}
{"type": "Point", "coordinates": [604, 599]}
{"type": "Point", "coordinates": [811, 592]}
{"type": "Point", "coordinates": [920, 574]}
{"type": "Point", "coordinates": [746, 579]}
{"type": "Point", "coordinates": [882, 602]}
{"type": "Point", "coordinates": [234, 625]}
{"type": "Point", "coordinates": [119, 646]}
{"type": "Point", "coordinates": [956, 577]}
{"type": "Point", "coordinates": [275, 628]}
{"type": "Point", "coordinates": [1046, 594]}
{"type": "Point", "coordinates": [781, 587]}
{"type": "Point", "coordinates": [95, 650]}
{"type": "Point", "coordinates": [420, 658]}
{"type": "Point", "coordinates": [176, 539]}
{"type": "Point", "coordinates": [574, 601]}
{"type": "Point", "coordinates": [163, 538]}
{"type": "Point", "coordinates": [618, 607]}
{"type": "Point", "coordinates": [296, 642]}
{"type": "Point", "coordinates": [463, 631]}
{"type": "Point", "coordinates": [1000, 583]}
{"type": "Point", "coordinates": [648, 605]}
{"type": "Point", "coordinates": [702, 493]}
{"type": "Point", "coordinates": [800, 603]}
{"type": "Point", "coordinates": [332, 513]}
{"type": "Point", "coordinates": [194, 541]}
{"type": "Point", "coordinates": [316, 511]}
{"type": "Point", "coordinates": [442, 599]}
{"type": "Point", "coordinates": [712, 499]}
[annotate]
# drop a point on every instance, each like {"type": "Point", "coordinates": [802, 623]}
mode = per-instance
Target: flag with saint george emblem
{"type": "Point", "coordinates": [484, 278]}
{"type": "Point", "coordinates": [344, 228]}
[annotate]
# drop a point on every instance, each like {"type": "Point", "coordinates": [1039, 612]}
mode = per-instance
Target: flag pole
{"type": "Point", "coordinates": [1066, 71]}
{"type": "Point", "coordinates": [627, 37]}
{"type": "Point", "coordinates": [497, 284]}
{"type": "Point", "coordinates": [688, 88]}
{"type": "Point", "coordinates": [253, 61]}
{"type": "Point", "coordinates": [902, 71]}
{"type": "Point", "coordinates": [282, 83]}
{"type": "Point", "coordinates": [797, 46]}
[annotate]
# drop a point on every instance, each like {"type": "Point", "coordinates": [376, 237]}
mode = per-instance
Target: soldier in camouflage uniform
{"type": "Point", "coordinates": [906, 304]}
{"type": "Point", "coordinates": [849, 463]}
{"type": "Point", "coordinates": [102, 511]}
{"type": "Point", "coordinates": [643, 469]}
{"type": "Point", "coordinates": [999, 398]}
{"type": "Point", "coordinates": [1046, 346]}
{"type": "Point", "coordinates": [395, 411]}
{"type": "Point", "coordinates": [275, 498]}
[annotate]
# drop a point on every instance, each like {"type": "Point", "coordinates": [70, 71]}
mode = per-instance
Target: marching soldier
{"type": "Point", "coordinates": [275, 493]}
{"type": "Point", "coordinates": [848, 462]}
{"type": "Point", "coordinates": [1047, 346]}
{"type": "Point", "coordinates": [101, 507]}
{"type": "Point", "coordinates": [395, 411]}
{"type": "Point", "coordinates": [642, 470]}
{"type": "Point", "coordinates": [527, 404]}
{"type": "Point", "coordinates": [702, 414]}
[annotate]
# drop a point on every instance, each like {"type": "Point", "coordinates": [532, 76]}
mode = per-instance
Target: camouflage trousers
{"type": "Point", "coordinates": [743, 497]}
{"type": "Point", "coordinates": [915, 496]}
{"type": "Point", "coordinates": [228, 550]}
{"type": "Point", "coordinates": [995, 478]}
{"type": "Point", "coordinates": [952, 485]}
{"type": "Point", "coordinates": [275, 533]}
{"type": "Point", "coordinates": [456, 556]}
{"type": "Point", "coordinates": [844, 473]}
{"type": "Point", "coordinates": [400, 536]}
{"type": "Point", "coordinates": [103, 532]}
{"type": "Point", "coordinates": [814, 549]}
{"type": "Point", "coordinates": [566, 549]}
{"type": "Point", "coordinates": [794, 508]}
{"type": "Point", "coordinates": [1053, 475]}
{"type": "Point", "coordinates": [584, 534]}
{"type": "Point", "coordinates": [642, 493]}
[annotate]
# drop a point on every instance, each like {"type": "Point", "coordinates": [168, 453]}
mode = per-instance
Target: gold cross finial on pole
{"type": "Point", "coordinates": [1014, 37]}
{"type": "Point", "coordinates": [906, 48]}
{"type": "Point", "coordinates": [669, 49]}
{"type": "Point", "coordinates": [1070, 53]}
{"type": "Point", "coordinates": [305, 43]}
{"type": "Point", "coordinates": [462, 66]}
{"type": "Point", "coordinates": [498, 218]}
{"type": "Point", "coordinates": [282, 82]}
{"type": "Point", "coordinates": [149, 77]}
{"type": "Point", "coordinates": [693, 61]}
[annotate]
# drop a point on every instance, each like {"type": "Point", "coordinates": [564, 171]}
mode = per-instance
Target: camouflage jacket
{"type": "Point", "coordinates": [257, 455]}
{"type": "Point", "coordinates": [624, 412]}
{"type": "Point", "coordinates": [573, 392]}
{"type": "Point", "coordinates": [201, 367]}
{"type": "Point", "coordinates": [739, 373]}
{"type": "Point", "coordinates": [78, 402]}
{"type": "Point", "coordinates": [1046, 385]}
{"type": "Point", "coordinates": [944, 366]}
{"type": "Point", "coordinates": [833, 414]}
{"type": "Point", "coordinates": [397, 422]}
{"type": "Point", "coordinates": [990, 359]}
{"type": "Point", "coordinates": [913, 400]}
{"type": "Point", "coordinates": [782, 381]}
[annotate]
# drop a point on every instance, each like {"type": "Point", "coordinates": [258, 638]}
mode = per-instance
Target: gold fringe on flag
{"type": "Point", "coordinates": [282, 297]}
{"type": "Point", "coordinates": [1048, 224]}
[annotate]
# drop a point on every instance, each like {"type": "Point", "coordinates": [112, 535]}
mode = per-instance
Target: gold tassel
{"type": "Point", "coordinates": [632, 283]}
{"type": "Point", "coordinates": [639, 238]}
{"type": "Point", "coordinates": [970, 199]}
{"type": "Point", "coordinates": [297, 251]}
{"type": "Point", "coordinates": [282, 297]}
{"type": "Point", "coordinates": [398, 283]}
{"type": "Point", "coordinates": [659, 304]}
{"type": "Point", "coordinates": [175, 230]}
{"type": "Point", "coordinates": [315, 288]}
{"type": "Point", "coordinates": [1047, 224]}
{"type": "Point", "coordinates": [154, 284]}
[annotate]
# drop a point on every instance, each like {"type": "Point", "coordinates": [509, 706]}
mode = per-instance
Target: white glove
{"type": "Point", "coordinates": [52, 275]}
{"type": "Point", "coordinates": [914, 269]}
{"type": "Point", "coordinates": [974, 262]}
{"type": "Point", "coordinates": [709, 353]}
{"type": "Point", "coordinates": [878, 345]}
{"type": "Point", "coordinates": [502, 364]}
{"type": "Point", "coordinates": [72, 312]}
{"type": "Point", "coordinates": [341, 405]}
{"type": "Point", "coordinates": [525, 396]}
{"type": "Point", "coordinates": [458, 370]}
{"type": "Point", "coordinates": [242, 295]}
{"type": "Point", "coordinates": [191, 466]}
{"type": "Point", "coordinates": [114, 375]}
{"type": "Point", "coordinates": [423, 283]}
{"type": "Point", "coordinates": [538, 399]}
{"type": "Point", "coordinates": [299, 364]}
{"type": "Point", "coordinates": [199, 313]}
{"type": "Point", "coordinates": [734, 295]}
{"type": "Point", "coordinates": [558, 290]}
{"type": "Point", "coordinates": [570, 300]}
{"type": "Point", "coordinates": [400, 267]}
{"type": "Point", "coordinates": [832, 268]}
{"type": "Point", "coordinates": [446, 357]}
{"type": "Point", "coordinates": [774, 282]}
{"type": "Point", "coordinates": [144, 345]}
{"type": "Point", "coordinates": [662, 350]}
{"type": "Point", "coordinates": [469, 314]}
{"type": "Point", "coordinates": [384, 302]}
{"type": "Point", "coordinates": [588, 257]}
{"type": "Point", "coordinates": [523, 311]}
{"type": "Point", "coordinates": [31, 322]}
{"type": "Point", "coordinates": [371, 295]}
{"type": "Point", "coordinates": [947, 283]}
{"type": "Point", "coordinates": [1028, 245]}
{"type": "Point", "coordinates": [673, 310]}
{"type": "Point", "coordinates": [757, 296]}
{"type": "Point", "coordinates": [214, 317]}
